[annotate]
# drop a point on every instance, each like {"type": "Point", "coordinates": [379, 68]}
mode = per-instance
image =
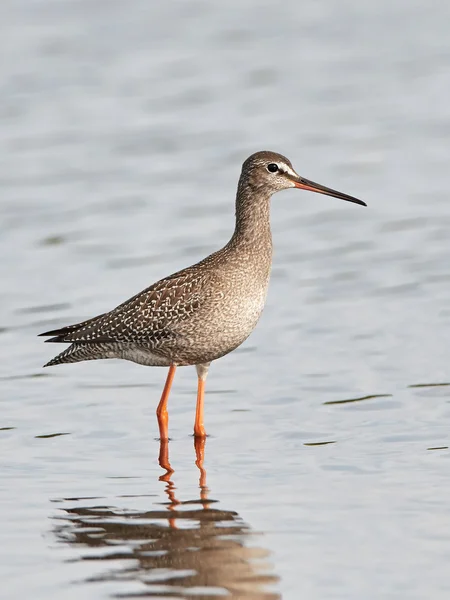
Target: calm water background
{"type": "Point", "coordinates": [123, 127]}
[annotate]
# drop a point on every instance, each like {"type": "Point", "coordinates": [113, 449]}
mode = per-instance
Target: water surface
{"type": "Point", "coordinates": [123, 126]}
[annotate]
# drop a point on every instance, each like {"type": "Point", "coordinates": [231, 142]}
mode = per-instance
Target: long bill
{"type": "Point", "coordinates": [306, 184]}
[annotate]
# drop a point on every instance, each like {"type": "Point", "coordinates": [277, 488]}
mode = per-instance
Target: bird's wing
{"type": "Point", "coordinates": [154, 312]}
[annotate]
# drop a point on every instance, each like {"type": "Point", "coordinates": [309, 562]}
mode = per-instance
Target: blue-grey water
{"type": "Point", "coordinates": [123, 126]}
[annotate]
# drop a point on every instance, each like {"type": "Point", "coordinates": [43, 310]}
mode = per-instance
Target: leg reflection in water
{"type": "Point", "coordinates": [180, 551]}
{"type": "Point", "coordinates": [164, 463]}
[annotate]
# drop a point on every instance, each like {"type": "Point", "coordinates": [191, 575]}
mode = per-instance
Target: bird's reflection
{"type": "Point", "coordinates": [180, 551]}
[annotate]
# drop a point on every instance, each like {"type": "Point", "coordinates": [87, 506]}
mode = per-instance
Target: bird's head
{"type": "Point", "coordinates": [273, 172]}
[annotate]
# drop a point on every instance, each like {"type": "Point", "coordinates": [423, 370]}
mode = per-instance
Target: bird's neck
{"type": "Point", "coordinates": [253, 219]}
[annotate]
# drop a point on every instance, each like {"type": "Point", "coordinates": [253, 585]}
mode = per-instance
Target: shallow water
{"type": "Point", "coordinates": [325, 473]}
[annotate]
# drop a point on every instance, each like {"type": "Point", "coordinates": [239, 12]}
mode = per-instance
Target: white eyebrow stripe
{"type": "Point", "coordinates": [286, 169]}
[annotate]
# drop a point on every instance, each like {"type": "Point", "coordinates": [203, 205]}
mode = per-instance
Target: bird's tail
{"type": "Point", "coordinates": [78, 352]}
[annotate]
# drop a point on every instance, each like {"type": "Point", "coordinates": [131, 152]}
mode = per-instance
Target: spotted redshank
{"type": "Point", "coordinates": [205, 311]}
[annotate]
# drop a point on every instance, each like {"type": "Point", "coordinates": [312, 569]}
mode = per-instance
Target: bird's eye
{"type": "Point", "coordinates": [272, 168]}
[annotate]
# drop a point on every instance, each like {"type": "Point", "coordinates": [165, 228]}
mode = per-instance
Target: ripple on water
{"type": "Point", "coordinates": [360, 399]}
{"type": "Point", "coordinates": [46, 436]}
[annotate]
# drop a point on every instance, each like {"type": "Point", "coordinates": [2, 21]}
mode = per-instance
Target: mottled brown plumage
{"type": "Point", "coordinates": [207, 310]}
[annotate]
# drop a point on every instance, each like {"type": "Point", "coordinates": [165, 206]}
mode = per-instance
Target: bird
{"type": "Point", "coordinates": [203, 312]}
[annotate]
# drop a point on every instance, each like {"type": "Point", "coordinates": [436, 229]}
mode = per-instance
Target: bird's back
{"type": "Point", "coordinates": [193, 316]}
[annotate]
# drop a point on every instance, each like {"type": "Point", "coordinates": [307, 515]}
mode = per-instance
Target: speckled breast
{"type": "Point", "coordinates": [229, 313]}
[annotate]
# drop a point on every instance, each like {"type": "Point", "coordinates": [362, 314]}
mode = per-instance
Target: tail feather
{"type": "Point", "coordinates": [61, 332]}
{"type": "Point", "coordinates": [78, 352]}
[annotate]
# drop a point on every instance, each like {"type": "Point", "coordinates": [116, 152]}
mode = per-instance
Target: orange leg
{"type": "Point", "coordinates": [161, 412]}
{"type": "Point", "coordinates": [199, 428]}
